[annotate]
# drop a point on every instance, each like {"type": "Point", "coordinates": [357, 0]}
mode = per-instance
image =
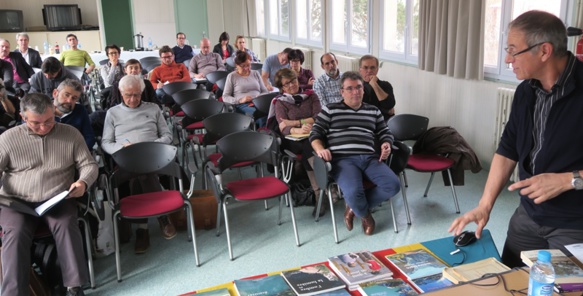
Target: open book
{"type": "Point", "coordinates": [297, 137]}
{"type": "Point", "coordinates": [20, 206]}
{"type": "Point", "coordinates": [51, 202]}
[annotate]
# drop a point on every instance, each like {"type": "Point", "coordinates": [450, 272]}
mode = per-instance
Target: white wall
{"type": "Point", "coordinates": [155, 19]}
{"type": "Point", "coordinates": [32, 10]}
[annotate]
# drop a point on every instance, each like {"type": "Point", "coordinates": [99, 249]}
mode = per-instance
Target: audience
{"type": "Point", "coordinates": [242, 86]}
{"type": "Point", "coordinates": [305, 76]}
{"type": "Point", "coordinates": [76, 56]}
{"type": "Point", "coordinates": [31, 56]}
{"type": "Point", "coordinates": [182, 51]}
{"type": "Point", "coordinates": [345, 133]}
{"type": "Point", "coordinates": [7, 110]}
{"type": "Point", "coordinates": [169, 71]}
{"type": "Point", "coordinates": [48, 158]}
{"type": "Point", "coordinates": [69, 111]}
{"type": "Point", "coordinates": [21, 70]}
{"type": "Point", "coordinates": [205, 61]}
{"type": "Point", "coordinates": [51, 75]}
{"type": "Point", "coordinates": [270, 66]}
{"type": "Point", "coordinates": [112, 72]}
{"type": "Point", "coordinates": [240, 46]}
{"type": "Point", "coordinates": [134, 121]}
{"type": "Point", "coordinates": [327, 86]}
{"type": "Point", "coordinates": [223, 48]}
{"type": "Point", "coordinates": [376, 92]}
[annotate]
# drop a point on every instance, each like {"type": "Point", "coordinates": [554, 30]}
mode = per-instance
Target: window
{"type": "Point", "coordinates": [279, 17]}
{"type": "Point", "coordinates": [350, 25]}
{"type": "Point", "coordinates": [399, 34]}
{"type": "Point", "coordinates": [309, 24]}
{"type": "Point", "coordinates": [260, 17]}
{"type": "Point", "coordinates": [498, 13]}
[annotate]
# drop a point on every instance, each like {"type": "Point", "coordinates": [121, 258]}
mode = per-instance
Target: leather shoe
{"type": "Point", "coordinates": [368, 224]}
{"type": "Point", "coordinates": [168, 230]}
{"type": "Point", "coordinates": [142, 241]}
{"type": "Point", "coordinates": [348, 218]}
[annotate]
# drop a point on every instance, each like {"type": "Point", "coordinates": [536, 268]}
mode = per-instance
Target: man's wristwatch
{"type": "Point", "coordinates": [577, 182]}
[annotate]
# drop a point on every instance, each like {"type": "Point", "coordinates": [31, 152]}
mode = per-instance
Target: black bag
{"type": "Point", "coordinates": [302, 194]}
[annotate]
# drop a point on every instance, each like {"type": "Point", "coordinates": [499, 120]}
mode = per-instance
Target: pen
{"type": "Point", "coordinates": [128, 141]}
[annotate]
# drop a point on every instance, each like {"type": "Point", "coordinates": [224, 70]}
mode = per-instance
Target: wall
{"type": "Point", "coordinates": [192, 19]}
{"type": "Point", "coordinates": [118, 25]}
{"type": "Point", "coordinates": [32, 10]}
{"type": "Point", "coordinates": [155, 20]}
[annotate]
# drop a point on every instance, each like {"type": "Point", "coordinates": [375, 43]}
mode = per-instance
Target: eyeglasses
{"type": "Point", "coordinates": [350, 88]}
{"type": "Point", "coordinates": [366, 68]}
{"type": "Point", "coordinates": [132, 95]}
{"type": "Point", "coordinates": [511, 53]}
{"type": "Point", "coordinates": [289, 83]}
{"type": "Point", "coordinates": [166, 57]}
{"type": "Point", "coordinates": [36, 124]}
{"type": "Point", "coordinates": [246, 65]}
{"type": "Point", "coordinates": [113, 53]}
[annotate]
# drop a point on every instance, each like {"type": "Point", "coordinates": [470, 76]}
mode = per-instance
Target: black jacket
{"type": "Point", "coordinates": [34, 58]}
{"type": "Point", "coordinates": [23, 69]}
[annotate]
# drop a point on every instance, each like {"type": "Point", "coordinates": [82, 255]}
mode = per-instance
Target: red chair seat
{"type": "Point", "coordinates": [214, 158]}
{"type": "Point", "coordinates": [257, 188]}
{"type": "Point", "coordinates": [179, 114]}
{"type": "Point", "coordinates": [150, 204]}
{"type": "Point", "coordinates": [429, 163]}
{"type": "Point", "coordinates": [195, 125]}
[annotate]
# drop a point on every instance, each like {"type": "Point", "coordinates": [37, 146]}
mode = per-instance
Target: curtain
{"type": "Point", "coordinates": [451, 37]}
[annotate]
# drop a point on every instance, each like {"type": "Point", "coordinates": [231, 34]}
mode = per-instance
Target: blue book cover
{"type": "Point", "coordinates": [390, 287]}
{"type": "Point", "coordinates": [269, 285]}
{"type": "Point", "coordinates": [431, 283]}
{"type": "Point", "coordinates": [417, 263]}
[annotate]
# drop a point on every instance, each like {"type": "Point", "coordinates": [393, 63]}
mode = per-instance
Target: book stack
{"type": "Point", "coordinates": [475, 270]}
{"type": "Point", "coordinates": [313, 280]}
{"type": "Point", "coordinates": [389, 287]}
{"type": "Point", "coordinates": [568, 275]}
{"type": "Point", "coordinates": [358, 267]}
{"type": "Point", "coordinates": [422, 269]}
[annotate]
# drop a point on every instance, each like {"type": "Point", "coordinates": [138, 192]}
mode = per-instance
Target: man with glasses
{"type": "Point", "coordinates": [376, 92]}
{"type": "Point", "coordinates": [182, 51]}
{"type": "Point", "coordinates": [350, 129]}
{"type": "Point", "coordinates": [169, 71]}
{"type": "Point", "coordinates": [69, 111]}
{"type": "Point", "coordinates": [543, 136]}
{"type": "Point", "coordinates": [38, 160]}
{"type": "Point", "coordinates": [31, 56]}
{"type": "Point", "coordinates": [327, 86]}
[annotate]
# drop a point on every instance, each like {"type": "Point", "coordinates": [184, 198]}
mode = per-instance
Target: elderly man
{"type": "Point", "coordinates": [542, 136]}
{"type": "Point", "coordinates": [76, 56]}
{"type": "Point", "coordinates": [350, 130]}
{"type": "Point", "coordinates": [40, 159]}
{"type": "Point", "coordinates": [205, 62]}
{"type": "Point", "coordinates": [134, 121]}
{"type": "Point", "coordinates": [21, 70]}
{"type": "Point", "coordinates": [376, 92]}
{"type": "Point", "coordinates": [182, 51]}
{"type": "Point", "coordinates": [327, 86]}
{"type": "Point", "coordinates": [270, 66]}
{"type": "Point", "coordinates": [69, 111]}
{"type": "Point", "coordinates": [169, 71]}
{"type": "Point", "coordinates": [51, 75]}
{"type": "Point", "coordinates": [31, 56]}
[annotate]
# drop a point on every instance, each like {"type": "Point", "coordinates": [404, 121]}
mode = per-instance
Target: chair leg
{"type": "Point", "coordinates": [395, 226]}
{"type": "Point", "coordinates": [281, 200]}
{"type": "Point", "coordinates": [405, 177]}
{"type": "Point", "coordinates": [191, 228]}
{"type": "Point", "coordinates": [266, 205]}
{"type": "Point", "coordinates": [88, 245]}
{"type": "Point", "coordinates": [227, 230]}
{"type": "Point", "coordinates": [329, 190]}
{"type": "Point", "coordinates": [293, 216]}
{"type": "Point", "coordinates": [404, 194]}
{"type": "Point", "coordinates": [457, 207]}
{"type": "Point", "coordinates": [319, 205]}
{"type": "Point", "coordinates": [219, 209]}
{"type": "Point", "coordinates": [116, 240]}
{"type": "Point", "coordinates": [428, 184]}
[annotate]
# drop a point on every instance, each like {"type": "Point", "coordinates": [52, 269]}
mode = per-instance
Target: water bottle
{"type": "Point", "coordinates": [542, 276]}
{"type": "Point", "coordinates": [46, 45]}
{"type": "Point", "coordinates": [150, 43]}
{"type": "Point", "coordinates": [57, 50]}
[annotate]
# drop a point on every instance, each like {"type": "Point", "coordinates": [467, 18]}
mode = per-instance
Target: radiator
{"type": "Point", "coordinates": [258, 46]}
{"type": "Point", "coordinates": [308, 57]}
{"type": "Point", "coordinates": [505, 97]}
{"type": "Point", "coordinates": [346, 63]}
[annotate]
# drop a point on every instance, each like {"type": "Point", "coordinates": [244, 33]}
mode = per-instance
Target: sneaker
{"type": "Point", "coordinates": [168, 230]}
{"type": "Point", "coordinates": [75, 291]}
{"type": "Point", "coordinates": [142, 241]}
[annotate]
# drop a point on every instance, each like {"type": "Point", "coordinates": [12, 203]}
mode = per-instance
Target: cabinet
{"type": "Point", "coordinates": [90, 40]}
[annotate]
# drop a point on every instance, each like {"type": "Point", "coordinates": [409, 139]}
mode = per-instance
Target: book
{"type": "Point", "coordinates": [389, 287]}
{"type": "Point", "coordinates": [19, 205]}
{"type": "Point", "coordinates": [474, 270]}
{"type": "Point", "coordinates": [218, 292]}
{"type": "Point", "coordinates": [312, 280]}
{"type": "Point", "coordinates": [358, 267]}
{"type": "Point", "coordinates": [568, 275]}
{"type": "Point", "coordinates": [341, 292]}
{"type": "Point", "coordinates": [297, 137]}
{"type": "Point", "coordinates": [417, 263]}
{"type": "Point", "coordinates": [269, 285]}
{"type": "Point", "coordinates": [51, 202]}
{"type": "Point", "coordinates": [431, 283]}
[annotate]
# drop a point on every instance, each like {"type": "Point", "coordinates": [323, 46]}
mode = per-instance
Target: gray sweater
{"type": "Point", "coordinates": [124, 125]}
{"type": "Point", "coordinates": [238, 86]}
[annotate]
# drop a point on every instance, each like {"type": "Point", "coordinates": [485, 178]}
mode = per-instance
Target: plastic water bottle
{"type": "Point", "coordinates": [150, 43]}
{"type": "Point", "coordinates": [542, 276]}
{"type": "Point", "coordinates": [46, 46]}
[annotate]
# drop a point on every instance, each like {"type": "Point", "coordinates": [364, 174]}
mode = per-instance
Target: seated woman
{"type": "Point", "coordinates": [240, 46]}
{"type": "Point", "coordinates": [295, 112]}
{"type": "Point", "coordinates": [112, 72]}
{"type": "Point", "coordinates": [223, 48]}
{"type": "Point", "coordinates": [134, 121]}
{"type": "Point", "coordinates": [305, 76]}
{"type": "Point", "coordinates": [243, 85]}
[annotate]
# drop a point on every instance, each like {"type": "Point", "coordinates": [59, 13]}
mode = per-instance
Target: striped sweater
{"type": "Point", "coordinates": [346, 131]}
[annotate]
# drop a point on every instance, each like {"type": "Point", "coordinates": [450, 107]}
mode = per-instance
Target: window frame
{"type": "Point", "coordinates": [309, 41]}
{"type": "Point", "coordinates": [348, 47]}
{"type": "Point", "coordinates": [279, 36]}
{"type": "Point", "coordinates": [405, 56]}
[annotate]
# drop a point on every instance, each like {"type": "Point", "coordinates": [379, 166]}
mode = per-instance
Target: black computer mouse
{"type": "Point", "coordinates": [465, 238]}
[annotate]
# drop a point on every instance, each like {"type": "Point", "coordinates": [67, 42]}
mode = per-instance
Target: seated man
{"type": "Point", "coordinates": [205, 62]}
{"type": "Point", "coordinates": [40, 159]}
{"type": "Point", "coordinates": [350, 130]}
{"type": "Point", "coordinates": [7, 110]}
{"type": "Point", "coordinates": [31, 56]}
{"type": "Point", "coordinates": [169, 71]}
{"type": "Point", "coordinates": [51, 75]}
{"type": "Point", "coordinates": [76, 56]}
{"type": "Point", "coordinates": [376, 92]}
{"type": "Point", "coordinates": [68, 111]}
{"type": "Point", "coordinates": [182, 51]}
{"type": "Point", "coordinates": [327, 86]}
{"type": "Point", "coordinates": [21, 70]}
{"type": "Point", "coordinates": [134, 121]}
{"type": "Point", "coordinates": [270, 66]}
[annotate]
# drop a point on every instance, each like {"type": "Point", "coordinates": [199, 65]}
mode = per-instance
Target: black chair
{"type": "Point", "coordinates": [77, 71]}
{"type": "Point", "coordinates": [142, 159]}
{"type": "Point", "coordinates": [230, 64]}
{"type": "Point", "coordinates": [256, 66]}
{"type": "Point", "coordinates": [263, 103]}
{"type": "Point", "coordinates": [221, 83]}
{"type": "Point", "coordinates": [215, 76]}
{"type": "Point", "coordinates": [149, 63]}
{"type": "Point", "coordinates": [174, 87]}
{"type": "Point", "coordinates": [196, 111]}
{"type": "Point", "coordinates": [248, 146]}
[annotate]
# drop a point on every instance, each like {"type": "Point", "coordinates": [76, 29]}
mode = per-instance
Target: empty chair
{"type": "Point", "coordinates": [196, 111]}
{"type": "Point", "coordinates": [215, 76]}
{"type": "Point", "coordinates": [406, 127]}
{"type": "Point", "coordinates": [76, 70]}
{"type": "Point", "coordinates": [149, 63]}
{"type": "Point", "coordinates": [174, 87]}
{"type": "Point", "coordinates": [221, 83]}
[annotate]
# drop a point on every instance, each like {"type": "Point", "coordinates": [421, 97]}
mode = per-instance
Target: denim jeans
{"type": "Point", "coordinates": [250, 111]}
{"type": "Point", "coordinates": [349, 172]}
{"type": "Point", "coordinates": [164, 98]}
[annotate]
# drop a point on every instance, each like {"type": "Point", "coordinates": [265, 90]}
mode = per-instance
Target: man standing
{"type": "Point", "coordinates": [68, 111]}
{"type": "Point", "coordinates": [31, 56]}
{"type": "Point", "coordinates": [542, 135]}
{"type": "Point", "coordinates": [327, 86]}
{"type": "Point", "coordinates": [205, 61]}
{"type": "Point", "coordinates": [270, 66]}
{"type": "Point", "coordinates": [350, 129]}
{"type": "Point", "coordinates": [40, 159]}
{"type": "Point", "coordinates": [169, 71]}
{"type": "Point", "coordinates": [51, 75]}
{"type": "Point", "coordinates": [21, 71]}
{"type": "Point", "coordinates": [76, 56]}
{"type": "Point", "coordinates": [376, 92]}
{"type": "Point", "coordinates": [182, 51]}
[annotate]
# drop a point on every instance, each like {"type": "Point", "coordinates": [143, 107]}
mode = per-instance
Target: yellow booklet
{"type": "Point", "coordinates": [475, 270]}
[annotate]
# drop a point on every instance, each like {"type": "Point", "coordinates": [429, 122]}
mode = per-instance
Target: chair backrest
{"type": "Point", "coordinates": [103, 62]}
{"type": "Point", "coordinates": [186, 95]}
{"type": "Point", "coordinates": [399, 157]}
{"type": "Point", "coordinates": [198, 110]}
{"type": "Point", "coordinates": [408, 126]}
{"type": "Point", "coordinates": [149, 63]}
{"type": "Point", "coordinates": [256, 66]}
{"type": "Point", "coordinates": [263, 102]}
{"type": "Point", "coordinates": [77, 71]}
{"type": "Point", "coordinates": [222, 124]}
{"type": "Point", "coordinates": [321, 169]}
{"type": "Point", "coordinates": [215, 76]}
{"type": "Point", "coordinates": [230, 62]}
{"type": "Point", "coordinates": [174, 87]}
{"type": "Point", "coordinates": [247, 146]}
{"type": "Point", "coordinates": [221, 83]}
